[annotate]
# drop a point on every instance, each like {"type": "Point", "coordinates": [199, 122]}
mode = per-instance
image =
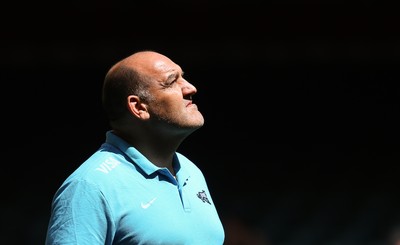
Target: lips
{"type": "Point", "coordinates": [191, 105]}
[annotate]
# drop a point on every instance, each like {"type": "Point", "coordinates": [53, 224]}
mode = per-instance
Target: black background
{"type": "Point", "coordinates": [301, 102]}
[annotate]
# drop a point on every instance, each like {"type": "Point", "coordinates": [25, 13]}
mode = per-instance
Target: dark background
{"type": "Point", "coordinates": [301, 101]}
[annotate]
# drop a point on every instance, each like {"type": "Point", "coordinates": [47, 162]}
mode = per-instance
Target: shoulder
{"type": "Point", "coordinates": [103, 169]}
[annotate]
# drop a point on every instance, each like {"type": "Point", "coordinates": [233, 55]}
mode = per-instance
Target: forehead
{"type": "Point", "coordinates": [150, 62]}
{"type": "Point", "coordinates": [166, 69]}
{"type": "Point", "coordinates": [155, 66]}
{"type": "Point", "coordinates": [165, 65]}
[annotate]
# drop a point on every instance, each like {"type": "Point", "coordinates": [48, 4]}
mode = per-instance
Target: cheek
{"type": "Point", "coordinates": [170, 101]}
{"type": "Point", "coordinates": [164, 106]}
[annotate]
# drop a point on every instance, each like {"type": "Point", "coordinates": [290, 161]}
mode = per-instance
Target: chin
{"type": "Point", "coordinates": [196, 124]}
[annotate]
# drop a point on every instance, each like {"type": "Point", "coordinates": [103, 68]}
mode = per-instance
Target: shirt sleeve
{"type": "Point", "coordinates": [79, 215]}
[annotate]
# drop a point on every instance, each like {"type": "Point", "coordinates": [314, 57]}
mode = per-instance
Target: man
{"type": "Point", "coordinates": [136, 188]}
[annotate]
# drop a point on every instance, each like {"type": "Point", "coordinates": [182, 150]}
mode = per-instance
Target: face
{"type": "Point", "coordinates": [171, 105]}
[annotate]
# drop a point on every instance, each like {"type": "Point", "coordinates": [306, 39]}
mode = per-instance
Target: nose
{"type": "Point", "coordinates": [188, 88]}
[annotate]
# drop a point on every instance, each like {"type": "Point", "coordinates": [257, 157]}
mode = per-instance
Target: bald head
{"type": "Point", "coordinates": [127, 77]}
{"type": "Point", "coordinates": [147, 63]}
{"type": "Point", "coordinates": [146, 93]}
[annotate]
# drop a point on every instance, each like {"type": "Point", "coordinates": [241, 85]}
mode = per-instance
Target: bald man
{"type": "Point", "coordinates": [136, 188]}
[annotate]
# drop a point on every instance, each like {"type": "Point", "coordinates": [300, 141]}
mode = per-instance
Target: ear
{"type": "Point", "coordinates": [137, 108]}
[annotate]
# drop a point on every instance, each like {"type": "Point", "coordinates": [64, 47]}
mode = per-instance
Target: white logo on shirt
{"type": "Point", "coordinates": [146, 205]}
{"type": "Point", "coordinates": [108, 165]}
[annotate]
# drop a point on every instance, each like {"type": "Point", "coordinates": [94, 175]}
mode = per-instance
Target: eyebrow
{"type": "Point", "coordinates": [173, 76]}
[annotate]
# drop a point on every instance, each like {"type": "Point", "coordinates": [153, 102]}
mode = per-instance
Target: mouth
{"type": "Point", "coordinates": [189, 104]}
{"type": "Point", "coordinates": [190, 101]}
{"type": "Point", "coordinates": [192, 106]}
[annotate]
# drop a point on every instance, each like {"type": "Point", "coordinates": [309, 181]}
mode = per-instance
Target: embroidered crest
{"type": "Point", "coordinates": [203, 196]}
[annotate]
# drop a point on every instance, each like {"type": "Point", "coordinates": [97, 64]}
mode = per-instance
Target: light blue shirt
{"type": "Point", "coordinates": [117, 196]}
